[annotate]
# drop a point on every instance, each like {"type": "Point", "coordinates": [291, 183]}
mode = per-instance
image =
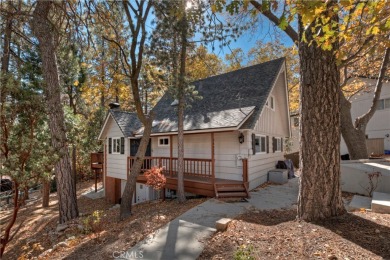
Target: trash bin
{"type": "Point", "coordinates": [279, 176]}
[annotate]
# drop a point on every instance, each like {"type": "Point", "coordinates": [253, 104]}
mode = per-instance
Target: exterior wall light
{"type": "Point", "coordinates": [241, 138]}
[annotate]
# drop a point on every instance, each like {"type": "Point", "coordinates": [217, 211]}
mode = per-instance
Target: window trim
{"type": "Point", "coordinates": [163, 145]}
{"type": "Point", "coordinates": [268, 102]}
{"type": "Point", "coordinates": [382, 102]}
{"type": "Point", "coordinates": [113, 151]}
{"type": "Point", "coordinates": [272, 104]}
{"type": "Point", "coordinates": [280, 148]}
{"type": "Point", "coordinates": [265, 144]}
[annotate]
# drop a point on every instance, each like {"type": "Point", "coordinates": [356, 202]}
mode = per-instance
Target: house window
{"type": "Point", "coordinates": [116, 145]}
{"type": "Point", "coordinates": [383, 104]}
{"type": "Point", "coordinates": [163, 141]}
{"type": "Point", "coordinates": [270, 102]}
{"type": "Point", "coordinates": [278, 144]}
{"type": "Point", "coordinates": [260, 144]}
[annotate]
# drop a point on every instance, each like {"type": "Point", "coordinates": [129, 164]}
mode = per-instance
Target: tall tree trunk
{"type": "Point", "coordinates": [43, 30]}
{"type": "Point", "coordinates": [136, 52]}
{"type": "Point", "coordinates": [5, 58]}
{"type": "Point", "coordinates": [6, 237]}
{"type": "Point", "coordinates": [127, 197]}
{"type": "Point", "coordinates": [320, 192]}
{"type": "Point", "coordinates": [354, 139]}
{"type": "Point", "coordinates": [355, 134]}
{"type": "Point", "coordinates": [181, 106]}
{"type": "Point", "coordinates": [74, 165]}
{"type": "Point", "coordinates": [25, 194]}
{"type": "Point", "coordinates": [45, 193]}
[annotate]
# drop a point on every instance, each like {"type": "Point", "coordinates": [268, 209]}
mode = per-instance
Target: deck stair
{"type": "Point", "coordinates": [231, 190]}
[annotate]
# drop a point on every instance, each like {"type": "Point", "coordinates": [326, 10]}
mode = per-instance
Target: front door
{"type": "Point", "coordinates": [141, 193]}
{"type": "Point", "coordinates": [134, 144]}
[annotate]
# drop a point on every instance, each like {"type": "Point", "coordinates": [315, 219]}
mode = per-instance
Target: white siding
{"type": "Point", "coordinates": [379, 125]}
{"type": "Point", "coordinates": [275, 120]}
{"type": "Point", "coordinates": [273, 123]}
{"type": "Point", "coordinates": [226, 147]}
{"type": "Point", "coordinates": [116, 163]}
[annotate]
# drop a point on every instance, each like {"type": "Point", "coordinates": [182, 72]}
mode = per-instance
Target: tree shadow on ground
{"type": "Point", "coordinates": [363, 232]}
{"type": "Point", "coordinates": [269, 217]}
{"type": "Point", "coordinates": [360, 231]}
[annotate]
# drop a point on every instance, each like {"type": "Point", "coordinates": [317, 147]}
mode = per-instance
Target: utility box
{"type": "Point", "coordinates": [279, 176]}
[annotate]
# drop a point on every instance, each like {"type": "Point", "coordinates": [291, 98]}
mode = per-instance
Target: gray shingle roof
{"type": "Point", "coordinates": [222, 98]}
{"type": "Point", "coordinates": [127, 122]}
{"type": "Point", "coordinates": [228, 100]}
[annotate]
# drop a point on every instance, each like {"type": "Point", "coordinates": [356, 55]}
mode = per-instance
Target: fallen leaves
{"type": "Point", "coordinates": [278, 235]}
{"type": "Point", "coordinates": [74, 243]}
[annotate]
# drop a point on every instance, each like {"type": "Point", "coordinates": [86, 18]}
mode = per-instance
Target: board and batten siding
{"type": "Point", "coordinates": [272, 123]}
{"type": "Point", "coordinates": [116, 163]}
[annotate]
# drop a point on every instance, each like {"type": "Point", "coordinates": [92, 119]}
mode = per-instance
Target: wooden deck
{"type": "Point", "coordinates": [199, 177]}
{"type": "Point", "coordinates": [97, 166]}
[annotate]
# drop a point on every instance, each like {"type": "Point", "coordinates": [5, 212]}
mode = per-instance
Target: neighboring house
{"type": "Point", "coordinates": [233, 135]}
{"type": "Point", "coordinates": [378, 128]}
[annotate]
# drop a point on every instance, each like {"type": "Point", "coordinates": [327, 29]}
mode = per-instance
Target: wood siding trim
{"type": "Point", "coordinates": [212, 156]}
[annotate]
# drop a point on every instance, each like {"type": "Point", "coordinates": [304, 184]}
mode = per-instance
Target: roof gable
{"type": "Point", "coordinates": [231, 100]}
{"type": "Point", "coordinates": [128, 122]}
{"type": "Point", "coordinates": [230, 93]}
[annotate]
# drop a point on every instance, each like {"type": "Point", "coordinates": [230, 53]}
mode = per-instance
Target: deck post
{"type": "Point", "coordinates": [245, 170]}
{"type": "Point", "coordinates": [212, 157]}
{"type": "Point", "coordinates": [104, 166]}
{"type": "Point", "coordinates": [170, 157]}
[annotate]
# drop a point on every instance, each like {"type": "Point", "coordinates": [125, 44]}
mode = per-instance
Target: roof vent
{"type": "Point", "coordinates": [175, 102]}
{"type": "Point", "coordinates": [114, 105]}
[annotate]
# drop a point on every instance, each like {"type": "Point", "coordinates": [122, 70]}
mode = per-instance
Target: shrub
{"type": "Point", "coordinates": [244, 252]}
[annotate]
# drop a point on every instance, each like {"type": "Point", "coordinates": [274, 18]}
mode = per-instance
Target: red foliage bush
{"type": "Point", "coordinates": [155, 178]}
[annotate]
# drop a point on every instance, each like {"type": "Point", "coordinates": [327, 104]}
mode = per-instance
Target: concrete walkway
{"type": "Point", "coordinates": [94, 195]}
{"type": "Point", "coordinates": [182, 237]}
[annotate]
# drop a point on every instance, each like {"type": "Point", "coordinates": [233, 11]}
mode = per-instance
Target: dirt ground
{"type": "Point", "coordinates": [38, 236]}
{"type": "Point", "coordinates": [277, 235]}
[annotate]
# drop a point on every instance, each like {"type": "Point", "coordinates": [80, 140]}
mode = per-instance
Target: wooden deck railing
{"type": "Point", "coordinates": [192, 166]}
{"type": "Point", "coordinates": [97, 160]}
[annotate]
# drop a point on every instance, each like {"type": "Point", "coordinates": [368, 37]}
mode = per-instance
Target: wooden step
{"type": "Point", "coordinates": [232, 194]}
{"type": "Point", "coordinates": [231, 188]}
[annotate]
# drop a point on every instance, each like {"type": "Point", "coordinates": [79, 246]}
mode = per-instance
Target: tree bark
{"type": "Point", "coordinates": [354, 139]}
{"type": "Point", "coordinates": [43, 30]}
{"type": "Point", "coordinates": [134, 67]}
{"type": "Point", "coordinates": [127, 197]}
{"type": "Point", "coordinates": [74, 166]}
{"type": "Point", "coordinates": [45, 193]}
{"type": "Point", "coordinates": [355, 134]}
{"type": "Point", "coordinates": [5, 58]}
{"type": "Point", "coordinates": [320, 192]}
{"type": "Point", "coordinates": [5, 238]}
{"type": "Point", "coordinates": [181, 106]}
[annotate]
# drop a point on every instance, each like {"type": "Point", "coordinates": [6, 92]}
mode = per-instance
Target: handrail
{"type": "Point", "coordinates": [192, 166]}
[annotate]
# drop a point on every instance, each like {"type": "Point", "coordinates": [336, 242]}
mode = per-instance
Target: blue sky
{"type": "Point", "coordinates": [264, 32]}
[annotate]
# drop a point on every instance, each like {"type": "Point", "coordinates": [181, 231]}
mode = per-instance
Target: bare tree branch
{"type": "Point", "coordinates": [273, 18]}
{"type": "Point", "coordinates": [361, 122]}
